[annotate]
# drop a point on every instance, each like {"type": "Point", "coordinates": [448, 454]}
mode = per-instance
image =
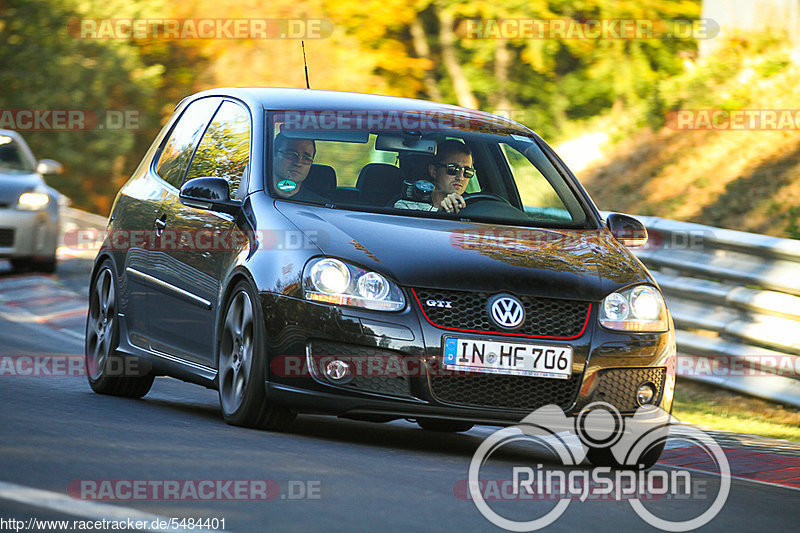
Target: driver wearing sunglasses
{"type": "Point", "coordinates": [450, 173]}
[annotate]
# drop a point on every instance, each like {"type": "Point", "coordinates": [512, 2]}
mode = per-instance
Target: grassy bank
{"type": "Point", "coordinates": [720, 409]}
{"type": "Point", "coordinates": [739, 178]}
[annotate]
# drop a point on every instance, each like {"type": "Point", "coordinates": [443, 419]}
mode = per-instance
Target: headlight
{"type": "Point", "coordinates": [641, 308]}
{"type": "Point", "coordinates": [330, 276]}
{"type": "Point", "coordinates": [333, 281]}
{"type": "Point", "coordinates": [32, 201]}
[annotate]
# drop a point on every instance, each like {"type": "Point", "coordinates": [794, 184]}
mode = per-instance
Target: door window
{"type": "Point", "coordinates": [177, 152]}
{"type": "Point", "coordinates": [224, 151]}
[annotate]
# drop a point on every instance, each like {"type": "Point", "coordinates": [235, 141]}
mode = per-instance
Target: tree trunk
{"type": "Point", "coordinates": [461, 86]}
{"type": "Point", "coordinates": [421, 49]}
{"type": "Point", "coordinates": [502, 63]}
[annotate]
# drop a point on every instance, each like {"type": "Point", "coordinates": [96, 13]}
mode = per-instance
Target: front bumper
{"type": "Point", "coordinates": [28, 234]}
{"type": "Point", "coordinates": [400, 375]}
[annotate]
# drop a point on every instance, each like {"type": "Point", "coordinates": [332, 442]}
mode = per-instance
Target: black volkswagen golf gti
{"type": "Point", "coordinates": [370, 257]}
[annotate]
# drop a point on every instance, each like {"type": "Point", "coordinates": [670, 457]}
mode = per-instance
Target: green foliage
{"type": "Point", "coordinates": [45, 66]}
{"type": "Point", "coordinates": [546, 83]}
{"type": "Point", "coordinates": [793, 226]}
{"type": "Point", "coordinates": [561, 78]}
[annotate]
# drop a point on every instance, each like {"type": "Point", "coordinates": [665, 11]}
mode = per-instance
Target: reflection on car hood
{"type": "Point", "coordinates": [13, 184]}
{"type": "Point", "coordinates": [448, 254]}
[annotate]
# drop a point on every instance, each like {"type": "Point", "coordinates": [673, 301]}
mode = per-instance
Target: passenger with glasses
{"type": "Point", "coordinates": [291, 162]}
{"type": "Point", "coordinates": [450, 173]}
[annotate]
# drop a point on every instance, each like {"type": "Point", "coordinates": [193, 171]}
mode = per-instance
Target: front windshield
{"type": "Point", "coordinates": [492, 176]}
{"type": "Point", "coordinates": [11, 157]}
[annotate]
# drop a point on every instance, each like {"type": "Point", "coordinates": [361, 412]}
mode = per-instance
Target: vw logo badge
{"type": "Point", "coordinates": [506, 311]}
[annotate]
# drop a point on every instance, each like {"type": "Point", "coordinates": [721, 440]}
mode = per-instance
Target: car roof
{"type": "Point", "coordinates": [281, 99]}
{"type": "Point", "coordinates": [21, 144]}
{"type": "Point", "coordinates": [11, 133]}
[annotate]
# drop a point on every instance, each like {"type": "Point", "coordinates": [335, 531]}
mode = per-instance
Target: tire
{"type": "Point", "coordinates": [48, 266]}
{"type": "Point", "coordinates": [109, 372]}
{"type": "Point", "coordinates": [604, 457]}
{"type": "Point", "coordinates": [20, 264]}
{"type": "Point", "coordinates": [242, 365]}
{"type": "Point", "coordinates": [444, 426]}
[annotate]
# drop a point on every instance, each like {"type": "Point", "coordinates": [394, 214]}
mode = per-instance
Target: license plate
{"type": "Point", "coordinates": [493, 357]}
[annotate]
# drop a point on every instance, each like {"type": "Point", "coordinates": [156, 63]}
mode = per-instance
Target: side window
{"type": "Point", "coordinates": [11, 157]}
{"type": "Point", "coordinates": [534, 189]}
{"type": "Point", "coordinates": [224, 151]}
{"type": "Point", "coordinates": [182, 141]}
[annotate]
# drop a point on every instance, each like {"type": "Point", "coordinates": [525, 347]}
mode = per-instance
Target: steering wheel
{"type": "Point", "coordinates": [481, 196]}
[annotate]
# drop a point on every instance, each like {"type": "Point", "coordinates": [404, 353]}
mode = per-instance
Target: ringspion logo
{"type": "Point", "coordinates": [599, 428]}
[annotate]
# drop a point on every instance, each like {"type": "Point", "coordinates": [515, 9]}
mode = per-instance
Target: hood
{"type": "Point", "coordinates": [13, 184]}
{"type": "Point", "coordinates": [449, 254]}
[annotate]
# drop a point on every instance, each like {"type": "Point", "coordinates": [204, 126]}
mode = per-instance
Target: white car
{"type": "Point", "coordinates": [29, 209]}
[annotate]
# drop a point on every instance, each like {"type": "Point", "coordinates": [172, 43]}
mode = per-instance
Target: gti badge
{"type": "Point", "coordinates": [439, 303]}
{"type": "Point", "coordinates": [506, 311]}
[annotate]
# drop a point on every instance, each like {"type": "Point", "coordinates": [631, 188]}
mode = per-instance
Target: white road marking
{"type": "Point", "coordinates": [22, 316]}
{"type": "Point", "coordinates": [62, 503]}
{"type": "Point", "coordinates": [31, 287]}
{"type": "Point", "coordinates": [738, 478]}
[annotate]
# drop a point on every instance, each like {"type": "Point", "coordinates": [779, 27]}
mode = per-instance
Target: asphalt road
{"type": "Point", "coordinates": [324, 474]}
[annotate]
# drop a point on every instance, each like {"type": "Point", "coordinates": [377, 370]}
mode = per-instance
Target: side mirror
{"type": "Point", "coordinates": [627, 230]}
{"type": "Point", "coordinates": [49, 166]}
{"type": "Point", "coordinates": [209, 193]}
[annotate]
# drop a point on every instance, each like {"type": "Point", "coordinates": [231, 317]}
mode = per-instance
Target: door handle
{"type": "Point", "coordinates": [160, 224]}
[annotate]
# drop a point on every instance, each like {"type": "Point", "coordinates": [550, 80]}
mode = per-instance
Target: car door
{"type": "Point", "coordinates": [200, 243]}
{"type": "Point", "coordinates": [138, 219]}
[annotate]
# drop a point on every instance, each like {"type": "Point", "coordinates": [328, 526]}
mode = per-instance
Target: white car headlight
{"type": "Point", "coordinates": [32, 201]}
{"type": "Point", "coordinates": [641, 308]}
{"type": "Point", "coordinates": [330, 276]}
{"type": "Point", "coordinates": [333, 281]}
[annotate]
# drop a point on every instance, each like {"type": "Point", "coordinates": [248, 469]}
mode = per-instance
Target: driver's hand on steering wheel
{"type": "Point", "coordinates": [453, 203]}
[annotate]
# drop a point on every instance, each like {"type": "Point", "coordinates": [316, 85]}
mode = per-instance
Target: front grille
{"type": "Point", "coordinates": [617, 386]}
{"type": "Point", "coordinates": [6, 237]}
{"type": "Point", "coordinates": [544, 317]}
{"type": "Point", "coordinates": [497, 390]}
{"type": "Point", "coordinates": [376, 369]}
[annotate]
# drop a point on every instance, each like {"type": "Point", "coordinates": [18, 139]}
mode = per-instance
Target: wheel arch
{"type": "Point", "coordinates": [238, 274]}
{"type": "Point", "coordinates": [98, 261]}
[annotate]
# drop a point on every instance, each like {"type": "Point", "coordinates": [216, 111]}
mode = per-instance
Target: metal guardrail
{"type": "Point", "coordinates": [73, 219]}
{"type": "Point", "coordinates": [79, 231]}
{"type": "Point", "coordinates": [734, 297]}
{"type": "Point", "coordinates": [735, 300]}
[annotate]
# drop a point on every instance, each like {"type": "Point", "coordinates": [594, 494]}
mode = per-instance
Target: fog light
{"type": "Point", "coordinates": [646, 393]}
{"type": "Point", "coordinates": [337, 370]}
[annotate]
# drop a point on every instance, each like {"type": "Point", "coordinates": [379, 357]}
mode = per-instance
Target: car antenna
{"type": "Point", "coordinates": [305, 65]}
